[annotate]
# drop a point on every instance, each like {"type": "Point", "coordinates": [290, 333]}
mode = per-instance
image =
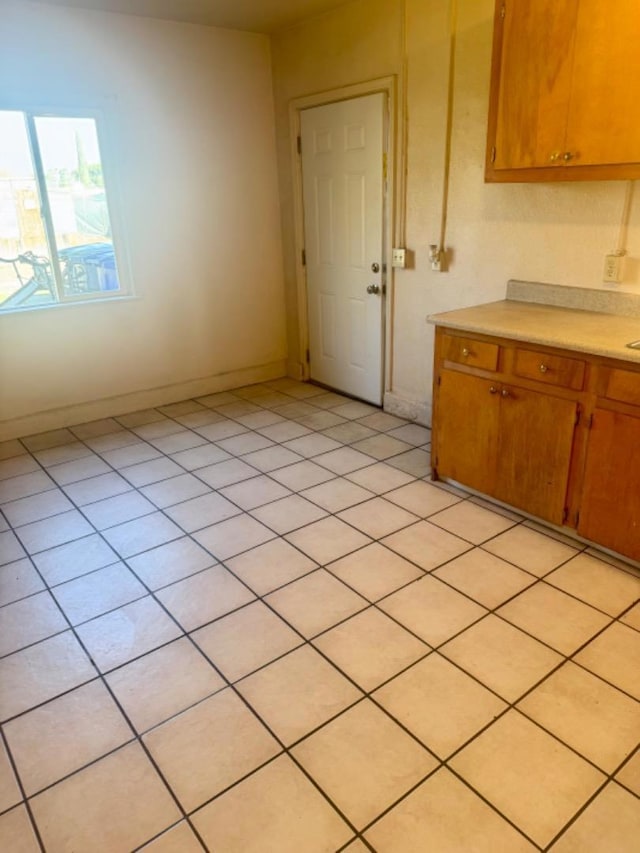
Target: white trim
{"type": "Point", "coordinates": [120, 405]}
{"type": "Point", "coordinates": [411, 410]}
{"type": "Point", "coordinates": [388, 86]}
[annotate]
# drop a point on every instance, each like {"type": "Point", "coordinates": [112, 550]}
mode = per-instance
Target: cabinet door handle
{"type": "Point", "coordinates": [493, 390]}
{"type": "Point", "coordinates": [555, 156]}
{"type": "Point", "coordinates": [505, 392]}
{"type": "Point", "coordinates": [543, 368]}
{"type": "Point", "coordinates": [568, 155]}
{"type": "Point", "coordinates": [466, 352]}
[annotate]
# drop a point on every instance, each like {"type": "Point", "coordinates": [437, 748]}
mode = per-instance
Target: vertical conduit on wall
{"type": "Point", "coordinates": [451, 80]}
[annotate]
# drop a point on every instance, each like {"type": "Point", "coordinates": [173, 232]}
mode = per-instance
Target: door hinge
{"type": "Point", "coordinates": [308, 356]}
{"type": "Point", "coordinates": [493, 154]}
{"type": "Point", "coordinates": [565, 514]}
{"type": "Point", "coordinates": [578, 519]}
{"type": "Point", "coordinates": [299, 144]}
{"type": "Point", "coordinates": [578, 415]}
{"type": "Point", "coordinates": [503, 11]}
{"type": "Point", "coordinates": [590, 424]}
{"type": "Point", "coordinates": [439, 381]}
{"type": "Point", "coordinates": [303, 256]}
{"type": "Point", "coordinates": [384, 166]}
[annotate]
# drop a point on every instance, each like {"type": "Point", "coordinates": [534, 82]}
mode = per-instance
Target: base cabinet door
{"type": "Point", "coordinates": [536, 437]}
{"type": "Point", "coordinates": [467, 429]}
{"type": "Point", "coordinates": [610, 507]}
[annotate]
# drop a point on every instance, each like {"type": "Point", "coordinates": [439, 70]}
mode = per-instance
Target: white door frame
{"type": "Point", "coordinates": [388, 86]}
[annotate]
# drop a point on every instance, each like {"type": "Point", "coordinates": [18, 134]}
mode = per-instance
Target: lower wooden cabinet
{"type": "Point", "coordinates": [553, 433]}
{"type": "Point", "coordinates": [610, 505]}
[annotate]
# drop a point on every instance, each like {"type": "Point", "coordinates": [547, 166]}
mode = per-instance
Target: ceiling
{"type": "Point", "coordinates": [264, 16]}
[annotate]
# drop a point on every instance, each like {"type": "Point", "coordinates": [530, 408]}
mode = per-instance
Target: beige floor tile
{"type": "Point", "coordinates": [422, 498]}
{"type": "Point", "coordinates": [312, 445]}
{"type": "Point", "coordinates": [184, 440]}
{"type": "Point", "coordinates": [57, 455]}
{"type": "Point", "coordinates": [528, 775]}
{"type": "Point", "coordinates": [630, 774]}
{"type": "Point", "coordinates": [378, 517]}
{"type": "Point", "coordinates": [200, 418]}
{"type": "Point", "coordinates": [96, 593]}
{"type": "Point", "coordinates": [65, 735]}
{"type": "Point", "coordinates": [283, 430]}
{"type": "Point", "coordinates": [179, 839]}
{"type": "Point", "coordinates": [201, 598]}
{"type": "Point", "coordinates": [74, 559]}
{"type": "Point", "coordinates": [171, 562]}
{"type": "Point", "coordinates": [356, 847]}
{"type": "Point", "coordinates": [79, 469]}
{"type": "Point", "coordinates": [269, 566]}
{"type": "Point", "coordinates": [127, 633]}
{"type": "Point", "coordinates": [327, 540]}
{"type": "Point", "coordinates": [263, 418]}
{"type": "Point", "coordinates": [200, 457]}
{"type": "Point", "coordinates": [118, 509]}
{"type": "Point", "coordinates": [41, 535]}
{"type": "Point", "coordinates": [337, 494]}
{"type": "Point", "coordinates": [18, 580]}
{"type": "Point", "coordinates": [426, 545]}
{"type": "Point", "coordinates": [246, 442]}
{"type": "Point", "coordinates": [36, 507]}
{"type": "Point", "coordinates": [439, 704]}
{"type": "Point", "coordinates": [175, 490]}
{"type": "Point", "coordinates": [202, 511]}
{"type": "Point", "coordinates": [163, 683]}
{"type": "Point", "coordinates": [381, 446]}
{"type": "Point", "coordinates": [597, 583]}
{"type": "Point", "coordinates": [595, 719]}
{"type": "Point", "coordinates": [383, 421]}
{"type": "Point", "coordinates": [360, 778]}
{"type": "Point", "coordinates": [485, 578]}
{"type": "Point", "coordinates": [530, 550]}
{"type": "Point", "coordinates": [157, 428]}
{"type": "Point", "coordinates": [297, 693]}
{"type": "Point", "coordinates": [264, 813]}
{"type": "Point", "coordinates": [610, 823]}
{"type": "Point", "coordinates": [16, 832]}
{"type": "Point", "coordinates": [443, 815]}
{"type": "Point", "coordinates": [41, 672]}
{"type": "Point", "coordinates": [353, 410]}
{"type": "Point", "coordinates": [15, 488]}
{"type": "Point", "coordinates": [10, 548]}
{"type": "Point", "coordinates": [502, 657]}
{"type": "Point", "coordinates": [44, 440]}
{"type": "Point", "coordinates": [471, 522]}
{"type": "Point", "coordinates": [209, 747]}
{"type": "Point", "coordinates": [93, 429]}
{"type": "Point", "coordinates": [288, 514]}
{"type": "Point", "coordinates": [89, 812]}
{"type": "Point", "coordinates": [321, 420]}
{"type": "Point", "coordinates": [245, 640]}
{"type": "Point", "coordinates": [273, 458]}
{"type": "Point", "coordinates": [133, 537]}
{"type": "Point", "coordinates": [29, 620]}
{"type": "Point", "coordinates": [11, 448]}
{"type": "Point", "coordinates": [380, 478]}
{"type": "Point", "coordinates": [232, 537]}
{"type": "Point", "coordinates": [302, 475]}
{"type": "Point", "coordinates": [348, 432]}
{"type": "Point", "coordinates": [632, 618]}
{"type": "Point", "coordinates": [412, 433]}
{"type": "Point", "coordinates": [9, 791]}
{"type": "Point", "coordinates": [553, 617]}
{"type": "Point", "coordinates": [375, 571]}
{"type": "Point", "coordinates": [315, 603]}
{"type": "Point", "coordinates": [615, 656]}
{"type": "Point", "coordinates": [130, 454]}
{"type": "Point", "coordinates": [151, 471]}
{"type": "Point", "coordinates": [415, 461]}
{"type": "Point", "coordinates": [255, 492]}
{"type": "Point", "coordinates": [226, 473]}
{"type": "Point", "coordinates": [370, 648]}
{"type": "Point", "coordinates": [432, 610]}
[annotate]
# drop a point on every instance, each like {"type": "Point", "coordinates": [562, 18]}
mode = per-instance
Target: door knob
{"type": "Point", "coordinates": [375, 267]}
{"type": "Point", "coordinates": [373, 288]}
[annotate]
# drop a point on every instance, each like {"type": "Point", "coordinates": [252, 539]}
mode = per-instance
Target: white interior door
{"type": "Point", "coordinates": [343, 188]}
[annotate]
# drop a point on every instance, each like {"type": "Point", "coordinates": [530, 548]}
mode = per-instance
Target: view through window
{"type": "Point", "coordinates": [55, 232]}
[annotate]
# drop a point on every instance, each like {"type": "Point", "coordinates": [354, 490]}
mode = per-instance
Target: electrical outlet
{"type": "Point", "coordinates": [613, 268]}
{"type": "Point", "coordinates": [399, 258]}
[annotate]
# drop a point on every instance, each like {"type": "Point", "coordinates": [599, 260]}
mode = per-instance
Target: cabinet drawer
{"type": "Point", "coordinates": [551, 369]}
{"type": "Point", "coordinates": [471, 352]}
{"type": "Point", "coordinates": [623, 386]}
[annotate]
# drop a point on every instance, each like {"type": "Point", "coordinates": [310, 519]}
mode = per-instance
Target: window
{"type": "Point", "coordinates": [55, 230]}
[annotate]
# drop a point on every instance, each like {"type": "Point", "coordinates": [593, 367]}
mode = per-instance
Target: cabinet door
{"type": "Point", "coordinates": [610, 510]}
{"type": "Point", "coordinates": [467, 409]}
{"type": "Point", "coordinates": [534, 451]}
{"type": "Point", "coordinates": [534, 82]}
{"type": "Point", "coordinates": [603, 124]}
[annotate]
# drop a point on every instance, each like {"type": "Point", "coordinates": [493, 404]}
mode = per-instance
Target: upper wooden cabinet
{"type": "Point", "coordinates": [565, 84]}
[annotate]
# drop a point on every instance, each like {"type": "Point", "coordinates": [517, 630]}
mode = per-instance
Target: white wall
{"type": "Point", "coordinates": [540, 232]}
{"type": "Point", "coordinates": [189, 111]}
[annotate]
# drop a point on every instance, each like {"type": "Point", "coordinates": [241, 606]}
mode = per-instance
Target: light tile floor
{"type": "Point", "coordinates": [250, 622]}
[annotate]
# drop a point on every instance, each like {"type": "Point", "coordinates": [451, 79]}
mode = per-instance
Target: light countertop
{"type": "Point", "coordinates": [550, 325]}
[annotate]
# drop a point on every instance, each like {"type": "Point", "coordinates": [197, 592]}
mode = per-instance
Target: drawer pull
{"type": "Point", "coordinates": [505, 392]}
{"type": "Point", "coordinates": [493, 390]}
{"type": "Point", "coordinates": [466, 352]}
{"type": "Point", "coordinates": [543, 368]}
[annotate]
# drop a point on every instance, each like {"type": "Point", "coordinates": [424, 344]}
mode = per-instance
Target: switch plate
{"type": "Point", "coordinates": [399, 258]}
{"type": "Point", "coordinates": [613, 268]}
